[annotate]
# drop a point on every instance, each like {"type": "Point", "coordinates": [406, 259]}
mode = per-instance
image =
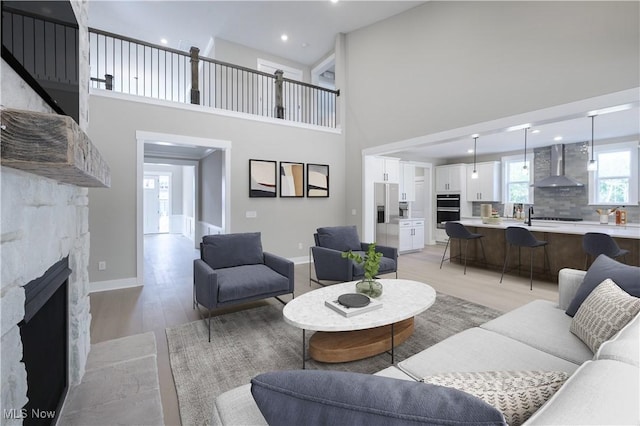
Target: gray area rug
{"type": "Point", "coordinates": [246, 343]}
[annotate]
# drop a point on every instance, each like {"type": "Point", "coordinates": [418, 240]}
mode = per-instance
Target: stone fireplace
{"type": "Point", "coordinates": [43, 221]}
{"type": "Point", "coordinates": [47, 164]}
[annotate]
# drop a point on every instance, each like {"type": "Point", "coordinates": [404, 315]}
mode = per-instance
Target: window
{"type": "Point", "coordinates": [517, 180]}
{"type": "Point", "coordinates": [616, 180]}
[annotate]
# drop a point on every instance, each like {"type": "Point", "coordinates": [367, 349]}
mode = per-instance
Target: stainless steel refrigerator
{"type": "Point", "coordinates": [387, 214]}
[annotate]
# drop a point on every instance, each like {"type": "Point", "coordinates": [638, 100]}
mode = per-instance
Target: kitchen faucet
{"type": "Point", "coordinates": [530, 212]}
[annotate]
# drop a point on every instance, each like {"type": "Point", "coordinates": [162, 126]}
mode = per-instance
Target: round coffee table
{"type": "Point", "coordinates": [340, 339]}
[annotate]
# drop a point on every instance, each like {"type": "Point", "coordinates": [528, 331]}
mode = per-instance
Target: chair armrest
{"type": "Point", "coordinates": [390, 252]}
{"type": "Point", "coordinates": [282, 266]}
{"type": "Point", "coordinates": [205, 280]}
{"type": "Point", "coordinates": [330, 265]}
{"type": "Point", "coordinates": [568, 282]}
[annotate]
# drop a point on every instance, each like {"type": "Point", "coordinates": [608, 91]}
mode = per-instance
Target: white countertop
{"type": "Point", "coordinates": [576, 228]}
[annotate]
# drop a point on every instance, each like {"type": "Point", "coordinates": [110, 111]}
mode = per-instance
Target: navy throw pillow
{"type": "Point", "coordinates": [313, 397]}
{"type": "Point", "coordinates": [341, 238]}
{"type": "Point", "coordinates": [625, 276]}
{"type": "Point", "coordinates": [227, 250]}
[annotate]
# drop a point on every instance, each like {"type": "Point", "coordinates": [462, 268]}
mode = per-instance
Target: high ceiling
{"type": "Point", "coordinates": [311, 26]}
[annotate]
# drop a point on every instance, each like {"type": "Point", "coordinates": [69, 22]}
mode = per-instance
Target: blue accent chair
{"type": "Point", "coordinates": [233, 269]}
{"type": "Point", "coordinates": [329, 264]}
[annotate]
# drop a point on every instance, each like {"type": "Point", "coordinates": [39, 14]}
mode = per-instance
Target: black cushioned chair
{"type": "Point", "coordinates": [596, 243]}
{"type": "Point", "coordinates": [329, 264]}
{"type": "Point", "coordinates": [457, 231]}
{"type": "Point", "coordinates": [522, 237]}
{"type": "Point", "coordinates": [233, 269]}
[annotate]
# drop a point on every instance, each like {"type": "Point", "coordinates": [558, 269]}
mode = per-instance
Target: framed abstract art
{"type": "Point", "coordinates": [291, 179]}
{"type": "Point", "coordinates": [317, 180]}
{"type": "Point", "coordinates": [262, 178]}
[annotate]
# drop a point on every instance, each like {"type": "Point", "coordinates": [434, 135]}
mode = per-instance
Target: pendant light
{"type": "Point", "coordinates": [524, 166]}
{"type": "Point", "coordinates": [592, 166]}
{"type": "Point", "coordinates": [474, 175]}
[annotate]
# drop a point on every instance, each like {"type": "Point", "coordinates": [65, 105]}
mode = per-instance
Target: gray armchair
{"type": "Point", "coordinates": [331, 266]}
{"type": "Point", "coordinates": [233, 269]}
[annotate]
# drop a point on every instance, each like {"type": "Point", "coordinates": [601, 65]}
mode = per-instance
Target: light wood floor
{"type": "Point", "coordinates": [165, 299]}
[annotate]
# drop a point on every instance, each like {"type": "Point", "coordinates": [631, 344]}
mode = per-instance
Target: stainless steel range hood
{"type": "Point", "coordinates": [557, 178]}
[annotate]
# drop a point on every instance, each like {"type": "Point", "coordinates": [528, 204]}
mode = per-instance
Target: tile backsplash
{"type": "Point", "coordinates": [565, 202]}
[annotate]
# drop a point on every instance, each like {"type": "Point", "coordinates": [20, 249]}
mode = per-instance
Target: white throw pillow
{"type": "Point", "coordinates": [517, 394]}
{"type": "Point", "coordinates": [603, 313]}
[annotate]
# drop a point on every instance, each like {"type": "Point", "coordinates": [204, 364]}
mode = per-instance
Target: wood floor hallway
{"type": "Point", "coordinates": [165, 300]}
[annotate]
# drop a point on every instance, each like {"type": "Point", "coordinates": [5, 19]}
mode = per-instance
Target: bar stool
{"type": "Point", "coordinates": [522, 237]}
{"type": "Point", "coordinates": [456, 230]}
{"type": "Point", "coordinates": [595, 243]}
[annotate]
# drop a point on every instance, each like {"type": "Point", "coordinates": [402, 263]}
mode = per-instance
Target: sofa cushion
{"type": "Point", "coordinates": [624, 346]}
{"type": "Point", "coordinates": [601, 392]}
{"type": "Point", "coordinates": [476, 349]}
{"type": "Point", "coordinates": [247, 281]}
{"type": "Point", "coordinates": [517, 394]}
{"type": "Point", "coordinates": [237, 407]}
{"type": "Point", "coordinates": [543, 326]}
{"type": "Point", "coordinates": [625, 276]}
{"type": "Point", "coordinates": [227, 250]}
{"type": "Point", "coordinates": [603, 313]}
{"type": "Point", "coordinates": [342, 398]}
{"type": "Point", "coordinates": [341, 238]}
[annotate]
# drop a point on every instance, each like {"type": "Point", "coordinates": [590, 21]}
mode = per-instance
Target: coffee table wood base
{"type": "Point", "coordinates": [344, 346]}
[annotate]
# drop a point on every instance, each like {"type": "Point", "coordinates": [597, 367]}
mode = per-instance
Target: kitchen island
{"type": "Point", "coordinates": [564, 248]}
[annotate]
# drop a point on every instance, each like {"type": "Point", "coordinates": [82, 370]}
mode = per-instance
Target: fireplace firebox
{"type": "Point", "coordinates": [44, 333]}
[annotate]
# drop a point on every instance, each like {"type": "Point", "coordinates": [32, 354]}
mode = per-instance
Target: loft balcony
{"type": "Point", "coordinates": [134, 67]}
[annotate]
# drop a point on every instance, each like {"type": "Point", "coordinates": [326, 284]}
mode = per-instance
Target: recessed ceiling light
{"type": "Point", "coordinates": [470, 151]}
{"type": "Point", "coordinates": [284, 37]}
{"type": "Point", "coordinates": [557, 138]}
{"type": "Point", "coordinates": [164, 41]}
{"type": "Point", "coordinates": [518, 127]}
{"type": "Point", "coordinates": [535, 131]}
{"type": "Point", "coordinates": [334, 1]}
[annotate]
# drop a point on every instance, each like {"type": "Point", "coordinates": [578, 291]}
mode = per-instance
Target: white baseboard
{"type": "Point", "coordinates": [113, 284]}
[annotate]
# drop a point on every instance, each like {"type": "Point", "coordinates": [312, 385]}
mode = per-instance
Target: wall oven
{"type": "Point", "coordinates": [447, 208]}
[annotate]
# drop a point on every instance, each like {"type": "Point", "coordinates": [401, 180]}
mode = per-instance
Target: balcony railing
{"type": "Point", "coordinates": [135, 67]}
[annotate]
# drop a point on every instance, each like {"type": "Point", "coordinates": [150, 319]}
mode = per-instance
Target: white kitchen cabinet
{"type": "Point", "coordinates": [411, 235]}
{"type": "Point", "coordinates": [451, 178]}
{"type": "Point", "coordinates": [386, 169]}
{"type": "Point", "coordinates": [407, 182]}
{"type": "Point", "coordinates": [487, 187]}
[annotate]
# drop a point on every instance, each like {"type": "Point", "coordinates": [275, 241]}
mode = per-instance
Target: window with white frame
{"type": "Point", "coordinates": [517, 180]}
{"type": "Point", "coordinates": [615, 182]}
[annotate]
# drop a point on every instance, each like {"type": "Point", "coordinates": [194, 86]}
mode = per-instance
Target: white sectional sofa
{"type": "Point", "coordinates": [602, 389]}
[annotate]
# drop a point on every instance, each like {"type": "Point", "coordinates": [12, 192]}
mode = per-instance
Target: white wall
{"type": "Point", "coordinates": [283, 222]}
{"type": "Point", "coordinates": [238, 54]}
{"type": "Point", "coordinates": [445, 65]}
{"type": "Point", "coordinates": [188, 201]}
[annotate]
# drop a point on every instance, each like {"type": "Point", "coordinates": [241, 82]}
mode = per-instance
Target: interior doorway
{"type": "Point", "coordinates": [179, 177]}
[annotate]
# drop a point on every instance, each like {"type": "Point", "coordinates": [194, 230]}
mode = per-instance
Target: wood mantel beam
{"type": "Point", "coordinates": [52, 146]}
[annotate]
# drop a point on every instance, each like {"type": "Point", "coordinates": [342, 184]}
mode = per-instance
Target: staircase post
{"type": "Point", "coordinates": [279, 104]}
{"type": "Point", "coordinates": [195, 59]}
{"type": "Point", "coordinates": [108, 81]}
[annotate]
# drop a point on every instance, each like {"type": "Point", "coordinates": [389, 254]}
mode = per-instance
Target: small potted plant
{"type": "Point", "coordinates": [371, 265]}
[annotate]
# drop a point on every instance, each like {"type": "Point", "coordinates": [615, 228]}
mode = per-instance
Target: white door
{"type": "Point", "coordinates": [151, 204]}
